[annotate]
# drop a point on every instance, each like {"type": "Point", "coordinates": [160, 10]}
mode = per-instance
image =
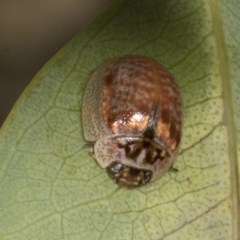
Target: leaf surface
{"type": "Point", "coordinates": [51, 188]}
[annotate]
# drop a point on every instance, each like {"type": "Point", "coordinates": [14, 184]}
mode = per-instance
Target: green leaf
{"type": "Point", "coordinates": [51, 188]}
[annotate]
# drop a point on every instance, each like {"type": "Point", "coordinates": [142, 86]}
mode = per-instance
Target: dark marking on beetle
{"type": "Point", "coordinates": [146, 144]}
{"type": "Point", "coordinates": [159, 154]}
{"type": "Point", "coordinates": [148, 157]}
{"type": "Point", "coordinates": [134, 148]}
{"type": "Point", "coordinates": [149, 133]}
{"type": "Point", "coordinates": [152, 122]}
{"type": "Point", "coordinates": [135, 153]}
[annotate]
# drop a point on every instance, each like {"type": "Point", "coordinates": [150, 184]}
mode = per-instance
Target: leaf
{"type": "Point", "coordinates": [51, 188]}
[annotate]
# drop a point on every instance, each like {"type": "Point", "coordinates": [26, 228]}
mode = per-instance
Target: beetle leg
{"type": "Point", "coordinates": [173, 169]}
{"type": "Point", "coordinates": [89, 145]}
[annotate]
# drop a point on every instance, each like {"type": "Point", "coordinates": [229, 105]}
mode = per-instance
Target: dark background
{"type": "Point", "coordinates": [31, 32]}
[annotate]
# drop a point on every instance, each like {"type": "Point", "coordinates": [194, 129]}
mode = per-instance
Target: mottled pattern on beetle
{"type": "Point", "coordinates": [136, 152]}
{"type": "Point", "coordinates": [142, 152]}
{"type": "Point", "coordinates": [133, 87]}
{"type": "Point", "coordinates": [170, 107]}
{"type": "Point", "coordinates": [126, 106]}
{"type": "Point", "coordinates": [93, 124]}
{"type": "Point", "coordinates": [132, 111]}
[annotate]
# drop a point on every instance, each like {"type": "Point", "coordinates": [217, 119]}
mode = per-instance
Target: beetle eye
{"type": "Point", "coordinates": [128, 177]}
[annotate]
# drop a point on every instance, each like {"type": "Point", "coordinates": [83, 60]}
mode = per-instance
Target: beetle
{"type": "Point", "coordinates": [132, 115]}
